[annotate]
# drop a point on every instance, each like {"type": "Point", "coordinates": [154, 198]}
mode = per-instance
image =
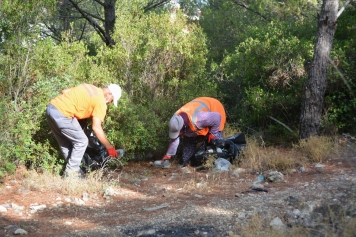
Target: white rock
{"type": "Point", "coordinates": [20, 232]}
{"type": "Point", "coordinates": [277, 224]}
{"type": "Point", "coordinates": [17, 207]}
{"type": "Point", "coordinates": [85, 197]}
{"type": "Point", "coordinates": [79, 202]}
{"type": "Point", "coordinates": [3, 209]}
{"type": "Point", "coordinates": [38, 207]}
{"type": "Point", "coordinates": [109, 192]}
{"type": "Point", "coordinates": [146, 232]}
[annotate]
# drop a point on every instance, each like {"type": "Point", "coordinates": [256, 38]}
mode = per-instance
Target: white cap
{"type": "Point", "coordinates": [116, 92]}
{"type": "Point", "coordinates": [175, 125]}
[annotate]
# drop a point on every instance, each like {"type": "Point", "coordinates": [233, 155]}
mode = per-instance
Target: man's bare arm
{"type": "Point", "coordinates": [99, 132]}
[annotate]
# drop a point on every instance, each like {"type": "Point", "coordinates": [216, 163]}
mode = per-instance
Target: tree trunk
{"type": "Point", "coordinates": [109, 10]}
{"type": "Point", "coordinates": [314, 91]}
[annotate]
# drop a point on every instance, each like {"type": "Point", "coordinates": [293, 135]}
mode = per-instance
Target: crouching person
{"type": "Point", "coordinates": [199, 119]}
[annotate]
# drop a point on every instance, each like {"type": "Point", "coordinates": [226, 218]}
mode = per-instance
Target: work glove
{"type": "Point", "coordinates": [112, 152]}
{"type": "Point", "coordinates": [211, 137]}
{"type": "Point", "coordinates": [166, 157]}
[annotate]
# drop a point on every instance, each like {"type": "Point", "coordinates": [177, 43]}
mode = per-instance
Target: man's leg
{"type": "Point", "coordinates": [68, 129]}
{"type": "Point", "coordinates": [80, 143]}
{"type": "Point", "coordinates": [65, 144]}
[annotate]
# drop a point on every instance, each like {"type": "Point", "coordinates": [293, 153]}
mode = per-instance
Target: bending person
{"type": "Point", "coordinates": [64, 111]}
{"type": "Point", "coordinates": [201, 118]}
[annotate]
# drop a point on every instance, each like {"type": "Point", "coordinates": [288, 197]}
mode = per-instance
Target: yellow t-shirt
{"type": "Point", "coordinates": [81, 102]}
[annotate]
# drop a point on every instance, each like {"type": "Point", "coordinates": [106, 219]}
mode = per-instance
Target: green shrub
{"type": "Point", "coordinates": [264, 78]}
{"type": "Point", "coordinates": [133, 127]}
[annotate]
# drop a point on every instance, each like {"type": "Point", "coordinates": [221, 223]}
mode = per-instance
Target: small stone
{"type": "Point", "coordinates": [109, 192]}
{"type": "Point", "coordinates": [277, 224]}
{"type": "Point", "coordinates": [185, 170]}
{"type": "Point", "coordinates": [85, 197]}
{"type": "Point", "coordinates": [79, 202]}
{"type": "Point", "coordinates": [201, 185]}
{"type": "Point", "coordinates": [146, 232]}
{"type": "Point", "coordinates": [20, 231]}
{"type": "Point", "coordinates": [38, 207]}
{"type": "Point", "coordinates": [3, 209]}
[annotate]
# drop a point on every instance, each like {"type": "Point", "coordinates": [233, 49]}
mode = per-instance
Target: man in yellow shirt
{"type": "Point", "coordinates": [64, 111]}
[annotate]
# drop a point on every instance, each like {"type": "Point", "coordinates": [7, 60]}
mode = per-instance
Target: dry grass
{"type": "Point", "coordinates": [254, 154]}
{"type": "Point", "coordinates": [281, 160]}
{"type": "Point", "coordinates": [317, 148]}
{"type": "Point", "coordinates": [210, 162]}
{"type": "Point", "coordinates": [69, 186]}
{"type": "Point", "coordinates": [258, 157]}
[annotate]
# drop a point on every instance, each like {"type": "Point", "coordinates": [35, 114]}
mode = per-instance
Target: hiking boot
{"type": "Point", "coordinates": [73, 174]}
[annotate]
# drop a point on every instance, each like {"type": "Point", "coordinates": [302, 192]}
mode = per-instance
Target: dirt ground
{"type": "Point", "coordinates": [160, 202]}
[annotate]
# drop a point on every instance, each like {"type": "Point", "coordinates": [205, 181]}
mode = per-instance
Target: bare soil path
{"type": "Point", "coordinates": [165, 202]}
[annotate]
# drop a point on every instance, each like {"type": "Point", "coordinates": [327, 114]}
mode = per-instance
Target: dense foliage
{"type": "Point", "coordinates": [254, 58]}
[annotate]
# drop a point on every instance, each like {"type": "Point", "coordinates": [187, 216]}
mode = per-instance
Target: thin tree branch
{"type": "Point", "coordinates": [153, 4]}
{"type": "Point", "coordinates": [343, 8]}
{"type": "Point", "coordinates": [94, 16]}
{"type": "Point", "coordinates": [53, 30]}
{"type": "Point", "coordinates": [284, 125]}
{"type": "Point", "coordinates": [96, 26]}
{"type": "Point", "coordinates": [83, 30]}
{"type": "Point", "coordinates": [244, 5]}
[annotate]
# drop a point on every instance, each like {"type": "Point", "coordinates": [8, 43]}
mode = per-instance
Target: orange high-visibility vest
{"type": "Point", "coordinates": [199, 104]}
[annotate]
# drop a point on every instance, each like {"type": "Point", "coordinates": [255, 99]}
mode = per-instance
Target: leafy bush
{"type": "Point", "coordinates": [264, 77]}
{"type": "Point", "coordinates": [134, 128]}
{"type": "Point", "coordinates": [157, 56]}
{"type": "Point", "coordinates": [340, 100]}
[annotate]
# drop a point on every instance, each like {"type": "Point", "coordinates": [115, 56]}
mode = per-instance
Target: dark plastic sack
{"type": "Point", "coordinates": [96, 155]}
{"type": "Point", "coordinates": [229, 148]}
{"type": "Point", "coordinates": [238, 138]}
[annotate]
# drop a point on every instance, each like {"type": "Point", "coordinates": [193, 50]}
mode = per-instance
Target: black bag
{"type": "Point", "coordinates": [229, 148]}
{"type": "Point", "coordinates": [96, 155]}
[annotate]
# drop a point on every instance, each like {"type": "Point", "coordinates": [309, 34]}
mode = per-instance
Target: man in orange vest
{"type": "Point", "coordinates": [64, 111]}
{"type": "Point", "coordinates": [203, 117]}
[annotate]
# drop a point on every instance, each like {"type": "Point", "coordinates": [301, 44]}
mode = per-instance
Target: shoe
{"type": "Point", "coordinates": [73, 174]}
